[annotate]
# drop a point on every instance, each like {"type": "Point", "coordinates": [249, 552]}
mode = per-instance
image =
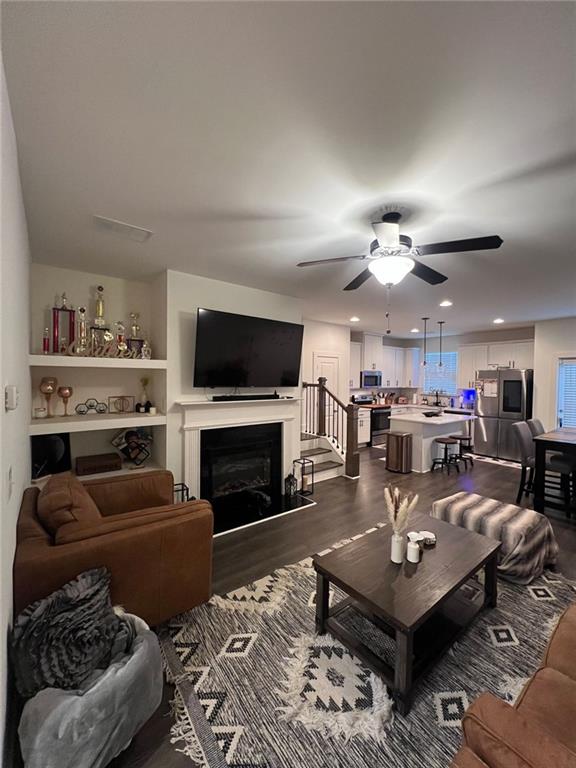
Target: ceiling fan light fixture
{"type": "Point", "coordinates": [390, 270]}
{"type": "Point", "coordinates": [387, 233]}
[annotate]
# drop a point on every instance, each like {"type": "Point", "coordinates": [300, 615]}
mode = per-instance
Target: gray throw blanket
{"type": "Point", "coordinates": [58, 642]}
{"type": "Point", "coordinates": [528, 542]}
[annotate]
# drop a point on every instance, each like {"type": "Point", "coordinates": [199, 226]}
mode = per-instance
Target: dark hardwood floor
{"type": "Point", "coordinates": [344, 508]}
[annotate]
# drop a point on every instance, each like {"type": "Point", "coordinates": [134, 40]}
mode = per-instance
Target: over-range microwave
{"type": "Point", "coordinates": [370, 379]}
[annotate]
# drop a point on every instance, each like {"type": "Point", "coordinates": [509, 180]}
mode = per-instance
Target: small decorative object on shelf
{"type": "Point", "coordinates": [46, 342]}
{"type": "Point", "coordinates": [398, 506]}
{"type": "Point", "coordinates": [146, 351]}
{"type": "Point", "coordinates": [98, 463]}
{"type": "Point", "coordinates": [99, 321]}
{"type": "Point", "coordinates": [121, 404]}
{"type": "Point", "coordinates": [48, 386]}
{"type": "Point", "coordinates": [40, 413]}
{"type": "Point", "coordinates": [144, 403]}
{"type": "Point", "coordinates": [306, 475]}
{"type": "Point", "coordinates": [135, 340]}
{"type": "Point", "coordinates": [65, 393]}
{"type": "Point", "coordinates": [100, 334]}
{"type": "Point", "coordinates": [290, 486]}
{"type": "Point", "coordinates": [91, 405]}
{"type": "Point", "coordinates": [63, 326]}
{"type": "Point", "coordinates": [134, 444]}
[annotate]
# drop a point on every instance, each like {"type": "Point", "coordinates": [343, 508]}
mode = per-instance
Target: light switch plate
{"type": "Point", "coordinates": [11, 397]}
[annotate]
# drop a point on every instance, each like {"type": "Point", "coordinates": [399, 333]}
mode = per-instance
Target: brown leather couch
{"type": "Point", "coordinates": [538, 731]}
{"type": "Point", "coordinates": [159, 553]}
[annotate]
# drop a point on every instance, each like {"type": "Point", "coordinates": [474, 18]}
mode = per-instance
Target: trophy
{"type": "Point", "coordinates": [121, 336]}
{"type": "Point", "coordinates": [48, 386]}
{"type": "Point", "coordinates": [63, 326]}
{"type": "Point", "coordinates": [65, 393]}
{"type": "Point", "coordinates": [82, 345]}
{"type": "Point", "coordinates": [135, 340]}
{"type": "Point", "coordinates": [100, 334]}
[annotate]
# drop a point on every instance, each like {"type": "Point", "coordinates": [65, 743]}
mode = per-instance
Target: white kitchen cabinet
{"type": "Point", "coordinates": [471, 358]}
{"type": "Point", "coordinates": [355, 364]}
{"type": "Point", "coordinates": [363, 426]}
{"type": "Point", "coordinates": [524, 354]}
{"type": "Point", "coordinates": [411, 369]}
{"type": "Point", "coordinates": [511, 354]}
{"type": "Point", "coordinates": [388, 366]}
{"type": "Point", "coordinates": [372, 352]}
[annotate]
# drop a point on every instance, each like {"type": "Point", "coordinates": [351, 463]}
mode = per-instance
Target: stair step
{"type": "Point", "coordinates": [322, 466]}
{"type": "Point", "coordinates": [305, 436]}
{"type": "Point", "coordinates": [313, 452]}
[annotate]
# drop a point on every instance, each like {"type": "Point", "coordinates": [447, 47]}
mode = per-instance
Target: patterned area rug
{"type": "Point", "coordinates": [256, 687]}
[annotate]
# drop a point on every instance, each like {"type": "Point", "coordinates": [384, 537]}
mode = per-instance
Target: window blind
{"type": "Point", "coordinates": [443, 378]}
{"type": "Point", "coordinates": [567, 393]}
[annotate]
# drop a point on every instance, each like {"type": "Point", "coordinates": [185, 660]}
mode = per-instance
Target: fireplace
{"type": "Point", "coordinates": [241, 473]}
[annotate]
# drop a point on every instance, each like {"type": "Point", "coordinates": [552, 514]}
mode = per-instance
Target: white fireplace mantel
{"type": "Point", "coordinates": [207, 414]}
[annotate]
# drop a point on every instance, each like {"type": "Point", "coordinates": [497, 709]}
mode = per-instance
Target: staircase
{"type": "Point", "coordinates": [329, 435]}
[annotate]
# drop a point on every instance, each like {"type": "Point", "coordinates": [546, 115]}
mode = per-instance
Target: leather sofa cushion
{"type": "Point", "coordinates": [465, 758]}
{"type": "Point", "coordinates": [561, 653]}
{"type": "Point", "coordinates": [64, 500]}
{"type": "Point", "coordinates": [550, 699]}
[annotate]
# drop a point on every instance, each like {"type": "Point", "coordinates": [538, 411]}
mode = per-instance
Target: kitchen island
{"type": "Point", "coordinates": [425, 430]}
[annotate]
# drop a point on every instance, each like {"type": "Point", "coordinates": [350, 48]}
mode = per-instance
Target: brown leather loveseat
{"type": "Point", "coordinates": [538, 731]}
{"type": "Point", "coordinates": [159, 553]}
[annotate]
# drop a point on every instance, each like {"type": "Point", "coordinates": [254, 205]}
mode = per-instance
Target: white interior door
{"type": "Point", "coordinates": [328, 366]}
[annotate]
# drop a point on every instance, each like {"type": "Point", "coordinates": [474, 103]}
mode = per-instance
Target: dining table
{"type": "Point", "coordinates": [561, 440]}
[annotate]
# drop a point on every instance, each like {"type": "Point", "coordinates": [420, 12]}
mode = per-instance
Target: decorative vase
{"type": "Point", "coordinates": [397, 544]}
{"type": "Point", "coordinates": [48, 386]}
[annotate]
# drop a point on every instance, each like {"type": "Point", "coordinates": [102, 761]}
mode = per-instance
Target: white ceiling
{"type": "Point", "coordinates": [250, 136]}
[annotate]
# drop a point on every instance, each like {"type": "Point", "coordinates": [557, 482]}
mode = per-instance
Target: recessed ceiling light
{"type": "Point", "coordinates": [445, 303]}
{"type": "Point", "coordinates": [354, 319]}
{"type": "Point", "coordinates": [415, 330]}
{"type": "Point", "coordinates": [498, 320]}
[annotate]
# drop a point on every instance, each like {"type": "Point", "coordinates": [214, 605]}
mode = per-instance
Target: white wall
{"type": "Point", "coordinates": [327, 338]}
{"type": "Point", "coordinates": [14, 443]}
{"type": "Point", "coordinates": [552, 339]}
{"type": "Point", "coordinates": [184, 294]}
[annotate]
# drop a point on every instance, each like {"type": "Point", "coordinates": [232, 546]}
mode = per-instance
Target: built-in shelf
{"type": "Point", "coordinates": [93, 422]}
{"type": "Point", "coordinates": [64, 361]}
{"type": "Point", "coordinates": [127, 469]}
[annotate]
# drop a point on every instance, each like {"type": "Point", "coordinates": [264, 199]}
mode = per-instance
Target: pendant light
{"type": "Point", "coordinates": [440, 323]}
{"type": "Point", "coordinates": [425, 321]}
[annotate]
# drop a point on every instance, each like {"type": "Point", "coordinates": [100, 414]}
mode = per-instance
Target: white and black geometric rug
{"type": "Point", "coordinates": [256, 687]}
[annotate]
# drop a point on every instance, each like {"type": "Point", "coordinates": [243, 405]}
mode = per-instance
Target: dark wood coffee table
{"type": "Point", "coordinates": [420, 605]}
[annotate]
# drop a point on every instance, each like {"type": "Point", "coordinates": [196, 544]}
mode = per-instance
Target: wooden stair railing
{"type": "Point", "coordinates": [325, 415]}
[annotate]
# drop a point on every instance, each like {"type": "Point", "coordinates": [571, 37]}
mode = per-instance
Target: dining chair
{"type": "Point", "coordinates": [556, 463]}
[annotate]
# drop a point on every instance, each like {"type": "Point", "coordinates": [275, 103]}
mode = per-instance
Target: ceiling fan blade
{"type": "Point", "coordinates": [328, 261]}
{"type": "Point", "coordinates": [458, 246]}
{"type": "Point", "coordinates": [427, 274]}
{"type": "Point", "coordinates": [358, 280]}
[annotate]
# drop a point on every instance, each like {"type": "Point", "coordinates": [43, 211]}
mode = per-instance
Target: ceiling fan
{"type": "Point", "coordinates": [392, 255]}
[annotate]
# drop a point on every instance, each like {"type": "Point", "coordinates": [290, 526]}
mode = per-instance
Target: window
{"type": "Point", "coordinates": [443, 379]}
{"type": "Point", "coordinates": [567, 393]}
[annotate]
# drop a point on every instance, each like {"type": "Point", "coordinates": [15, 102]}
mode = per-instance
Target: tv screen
{"type": "Point", "coordinates": [241, 351]}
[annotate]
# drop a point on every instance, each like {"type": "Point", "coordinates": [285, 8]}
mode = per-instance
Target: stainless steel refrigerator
{"type": "Point", "coordinates": [503, 397]}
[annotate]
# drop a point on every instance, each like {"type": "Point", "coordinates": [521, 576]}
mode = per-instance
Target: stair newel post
{"type": "Point", "coordinates": [352, 459]}
{"type": "Point", "coordinates": [321, 405]}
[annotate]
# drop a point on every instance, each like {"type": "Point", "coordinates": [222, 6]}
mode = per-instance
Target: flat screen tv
{"type": "Point", "coordinates": [242, 351]}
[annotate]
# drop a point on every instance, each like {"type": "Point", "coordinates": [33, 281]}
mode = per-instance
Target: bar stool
{"type": "Point", "coordinates": [464, 444]}
{"type": "Point", "coordinates": [446, 460]}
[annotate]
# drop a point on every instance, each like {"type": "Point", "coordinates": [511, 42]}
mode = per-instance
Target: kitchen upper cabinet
{"type": "Point", "coordinates": [363, 425]}
{"type": "Point", "coordinates": [355, 364]}
{"type": "Point", "coordinates": [524, 354]}
{"type": "Point", "coordinates": [412, 370]}
{"type": "Point", "coordinates": [388, 367]}
{"type": "Point", "coordinates": [372, 352]}
{"type": "Point", "coordinates": [511, 354]}
{"type": "Point", "coordinates": [471, 358]}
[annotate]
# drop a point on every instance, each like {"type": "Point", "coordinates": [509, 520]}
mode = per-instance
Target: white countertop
{"type": "Point", "coordinates": [419, 418]}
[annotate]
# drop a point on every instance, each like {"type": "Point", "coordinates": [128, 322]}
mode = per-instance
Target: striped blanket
{"type": "Point", "coordinates": [528, 542]}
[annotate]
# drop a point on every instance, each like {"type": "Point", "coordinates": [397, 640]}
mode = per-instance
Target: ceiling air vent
{"type": "Point", "coordinates": [129, 231]}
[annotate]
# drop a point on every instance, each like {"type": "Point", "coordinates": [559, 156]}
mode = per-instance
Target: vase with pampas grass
{"type": "Point", "coordinates": [399, 506]}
